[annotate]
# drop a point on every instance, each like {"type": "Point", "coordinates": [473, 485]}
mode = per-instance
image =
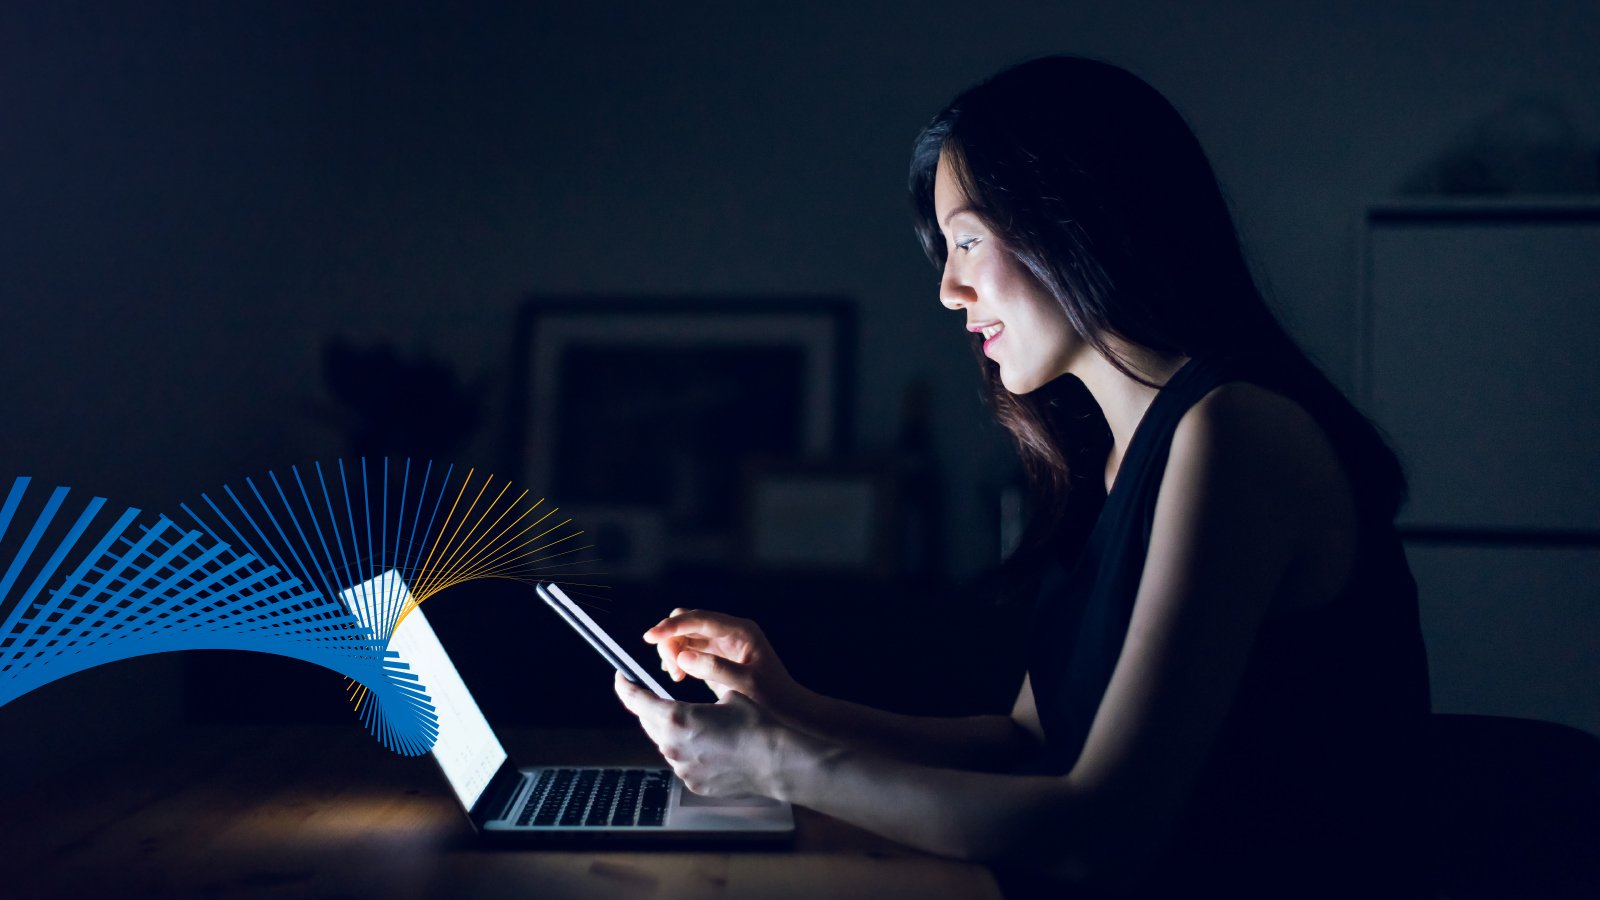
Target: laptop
{"type": "Point", "coordinates": [552, 803]}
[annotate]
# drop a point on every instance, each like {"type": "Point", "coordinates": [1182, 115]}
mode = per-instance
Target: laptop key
{"type": "Point", "coordinates": [600, 808]}
{"type": "Point", "coordinates": [598, 798]}
{"type": "Point", "coordinates": [605, 798]}
{"type": "Point", "coordinates": [627, 808]}
{"type": "Point", "coordinates": [541, 790]}
{"type": "Point", "coordinates": [548, 811]}
{"type": "Point", "coordinates": [572, 813]}
{"type": "Point", "coordinates": [578, 803]}
{"type": "Point", "coordinates": [552, 803]}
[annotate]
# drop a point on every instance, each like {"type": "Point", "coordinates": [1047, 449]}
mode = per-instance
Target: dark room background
{"type": "Point", "coordinates": [195, 199]}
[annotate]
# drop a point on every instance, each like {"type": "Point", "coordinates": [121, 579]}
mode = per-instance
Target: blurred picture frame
{"type": "Point", "coordinates": [820, 518]}
{"type": "Point", "coordinates": [655, 404]}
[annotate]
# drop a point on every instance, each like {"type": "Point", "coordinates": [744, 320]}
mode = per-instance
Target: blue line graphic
{"type": "Point", "coordinates": [148, 585]}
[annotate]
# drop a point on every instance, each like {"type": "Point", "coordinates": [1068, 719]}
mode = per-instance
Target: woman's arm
{"type": "Point", "coordinates": [735, 747]}
{"type": "Point", "coordinates": [732, 654]}
{"type": "Point", "coordinates": [993, 742]}
{"type": "Point", "coordinates": [1230, 516]}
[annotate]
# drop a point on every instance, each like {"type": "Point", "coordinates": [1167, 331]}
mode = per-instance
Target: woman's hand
{"type": "Point", "coordinates": [722, 749]}
{"type": "Point", "coordinates": [730, 655]}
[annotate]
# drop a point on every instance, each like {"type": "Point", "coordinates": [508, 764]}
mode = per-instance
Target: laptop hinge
{"type": "Point", "coordinates": [498, 795]}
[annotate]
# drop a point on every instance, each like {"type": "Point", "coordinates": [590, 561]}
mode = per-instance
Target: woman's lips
{"type": "Point", "coordinates": [988, 342]}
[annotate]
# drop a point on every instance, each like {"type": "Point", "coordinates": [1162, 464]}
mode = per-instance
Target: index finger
{"type": "Point", "coordinates": [693, 621]}
{"type": "Point", "coordinates": [669, 648]}
{"type": "Point", "coordinates": [656, 633]}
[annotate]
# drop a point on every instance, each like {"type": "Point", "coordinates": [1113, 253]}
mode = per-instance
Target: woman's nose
{"type": "Point", "coordinates": [953, 292]}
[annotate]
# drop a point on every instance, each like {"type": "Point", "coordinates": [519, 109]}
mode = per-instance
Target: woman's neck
{"type": "Point", "coordinates": [1123, 400]}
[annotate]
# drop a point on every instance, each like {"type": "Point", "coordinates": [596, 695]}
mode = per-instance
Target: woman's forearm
{"type": "Point", "coordinates": [990, 742]}
{"type": "Point", "coordinates": [732, 654]}
{"type": "Point", "coordinates": [968, 815]}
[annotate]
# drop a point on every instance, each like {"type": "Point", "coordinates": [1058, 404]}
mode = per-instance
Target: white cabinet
{"type": "Point", "coordinates": [1479, 354]}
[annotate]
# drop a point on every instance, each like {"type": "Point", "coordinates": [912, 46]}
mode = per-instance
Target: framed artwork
{"type": "Point", "coordinates": [834, 518]}
{"type": "Point", "coordinates": [648, 409]}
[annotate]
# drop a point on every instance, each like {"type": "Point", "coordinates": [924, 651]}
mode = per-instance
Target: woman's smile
{"type": "Point", "coordinates": [984, 279]}
{"type": "Point", "coordinates": [990, 332]}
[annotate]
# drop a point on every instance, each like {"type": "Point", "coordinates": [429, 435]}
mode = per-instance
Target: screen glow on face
{"type": "Point", "coordinates": [467, 749]}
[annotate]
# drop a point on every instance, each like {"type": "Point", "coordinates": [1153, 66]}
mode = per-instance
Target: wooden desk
{"type": "Point", "coordinates": [326, 811]}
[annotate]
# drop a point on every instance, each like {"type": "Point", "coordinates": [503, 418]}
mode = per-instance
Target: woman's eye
{"type": "Point", "coordinates": [966, 243]}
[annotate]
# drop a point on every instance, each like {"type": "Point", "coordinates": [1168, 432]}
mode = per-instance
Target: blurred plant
{"type": "Point", "coordinates": [1530, 145]}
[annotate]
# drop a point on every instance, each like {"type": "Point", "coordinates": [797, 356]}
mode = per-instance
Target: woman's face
{"type": "Point", "coordinates": [1025, 331]}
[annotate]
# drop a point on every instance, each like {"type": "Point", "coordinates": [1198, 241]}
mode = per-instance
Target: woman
{"type": "Point", "coordinates": [1225, 684]}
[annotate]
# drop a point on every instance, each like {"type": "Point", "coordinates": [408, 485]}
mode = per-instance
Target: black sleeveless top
{"type": "Point", "coordinates": [1312, 784]}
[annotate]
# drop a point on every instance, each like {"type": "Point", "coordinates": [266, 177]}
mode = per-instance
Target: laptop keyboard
{"type": "Point", "coordinates": [598, 798]}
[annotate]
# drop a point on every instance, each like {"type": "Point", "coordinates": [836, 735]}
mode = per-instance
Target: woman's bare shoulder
{"type": "Point", "coordinates": [1262, 428]}
{"type": "Point", "coordinates": [1284, 470]}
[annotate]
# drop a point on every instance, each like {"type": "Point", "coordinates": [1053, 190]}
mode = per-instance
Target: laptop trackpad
{"type": "Point", "coordinates": [690, 798]}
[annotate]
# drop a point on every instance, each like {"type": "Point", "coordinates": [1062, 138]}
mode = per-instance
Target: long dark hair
{"type": "Point", "coordinates": [1095, 183]}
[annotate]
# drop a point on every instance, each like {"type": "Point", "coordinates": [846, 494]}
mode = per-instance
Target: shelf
{"type": "Point", "coordinates": [1485, 208]}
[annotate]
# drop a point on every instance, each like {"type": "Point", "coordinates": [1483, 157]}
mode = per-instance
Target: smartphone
{"type": "Point", "coordinates": [573, 615]}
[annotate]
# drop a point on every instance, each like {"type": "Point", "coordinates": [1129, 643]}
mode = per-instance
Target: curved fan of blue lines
{"type": "Point", "coordinates": [129, 589]}
{"type": "Point", "coordinates": [341, 529]}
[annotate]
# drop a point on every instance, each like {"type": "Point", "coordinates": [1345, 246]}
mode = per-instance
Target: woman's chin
{"type": "Point", "coordinates": [1018, 384]}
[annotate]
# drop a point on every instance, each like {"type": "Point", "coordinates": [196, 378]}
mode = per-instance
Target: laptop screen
{"type": "Point", "coordinates": [467, 749]}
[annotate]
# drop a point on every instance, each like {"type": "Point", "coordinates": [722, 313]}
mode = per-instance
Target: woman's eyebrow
{"type": "Point", "coordinates": [954, 212]}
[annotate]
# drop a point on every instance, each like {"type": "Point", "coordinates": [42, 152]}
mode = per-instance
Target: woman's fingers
{"type": "Point", "coordinates": [709, 624]}
{"type": "Point", "coordinates": [709, 746]}
{"type": "Point", "coordinates": [668, 645]}
{"type": "Point", "coordinates": [669, 649]}
{"type": "Point", "coordinates": [635, 698]}
{"type": "Point", "coordinates": [655, 714]}
{"type": "Point", "coordinates": [712, 668]}
{"type": "Point", "coordinates": [693, 629]}
{"type": "Point", "coordinates": [726, 652]}
{"type": "Point", "coordinates": [659, 631]}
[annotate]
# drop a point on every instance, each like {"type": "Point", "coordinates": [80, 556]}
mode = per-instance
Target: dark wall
{"type": "Point", "coordinates": [195, 197]}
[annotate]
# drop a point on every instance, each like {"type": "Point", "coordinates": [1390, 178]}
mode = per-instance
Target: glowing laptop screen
{"type": "Point", "coordinates": [467, 749]}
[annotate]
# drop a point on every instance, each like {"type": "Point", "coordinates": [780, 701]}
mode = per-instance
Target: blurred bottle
{"type": "Point", "coordinates": [920, 495]}
{"type": "Point", "coordinates": [1013, 517]}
